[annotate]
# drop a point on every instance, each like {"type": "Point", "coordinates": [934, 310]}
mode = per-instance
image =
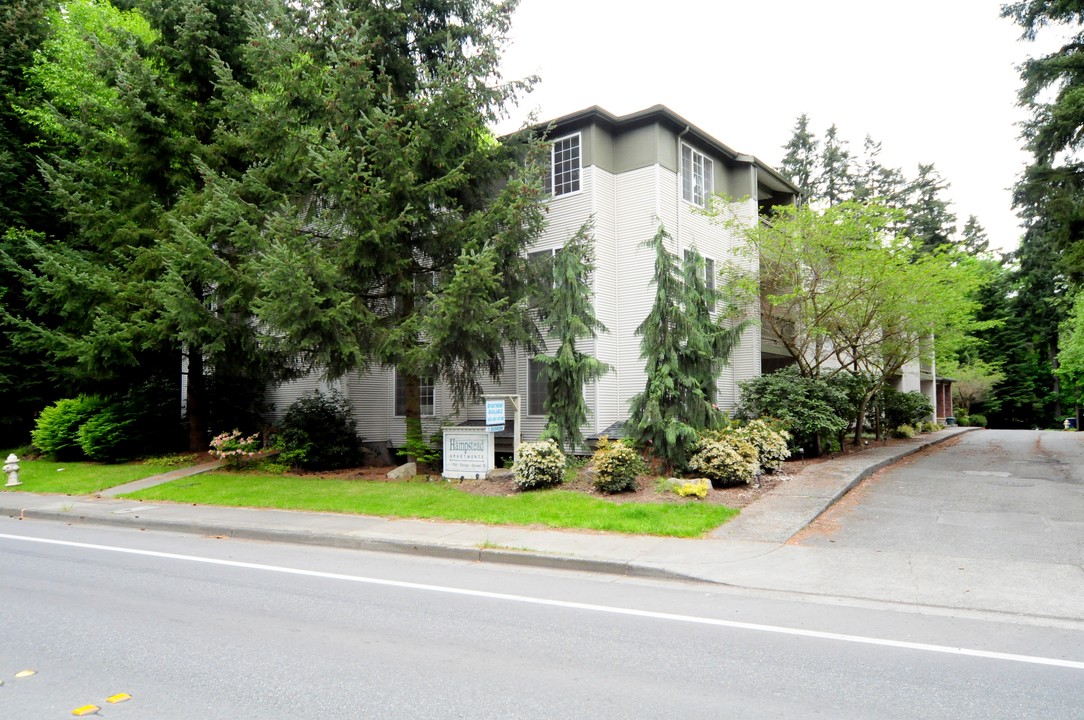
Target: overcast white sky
{"type": "Point", "coordinates": [932, 80]}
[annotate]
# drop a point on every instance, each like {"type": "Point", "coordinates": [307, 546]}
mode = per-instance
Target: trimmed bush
{"type": "Point", "coordinates": [904, 431]}
{"type": "Point", "coordinates": [318, 433]}
{"type": "Point", "coordinates": [771, 444]}
{"type": "Point", "coordinates": [905, 408]}
{"type": "Point", "coordinates": [541, 464]}
{"type": "Point", "coordinates": [616, 466]}
{"type": "Point", "coordinates": [107, 436]}
{"type": "Point", "coordinates": [693, 488]}
{"type": "Point", "coordinates": [976, 420]}
{"type": "Point", "coordinates": [56, 431]}
{"type": "Point", "coordinates": [726, 458]}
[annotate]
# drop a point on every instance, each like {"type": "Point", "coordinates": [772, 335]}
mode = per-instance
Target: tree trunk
{"type": "Point", "coordinates": [413, 414]}
{"type": "Point", "coordinates": [860, 420]}
{"type": "Point", "coordinates": [195, 397]}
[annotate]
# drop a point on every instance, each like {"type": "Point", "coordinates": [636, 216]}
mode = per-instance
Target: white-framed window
{"type": "Point", "coordinates": [537, 257]}
{"type": "Point", "coordinates": [427, 394]}
{"type": "Point", "coordinates": [563, 177]}
{"type": "Point", "coordinates": [537, 387]}
{"type": "Point", "coordinates": [709, 269]}
{"type": "Point", "coordinates": [697, 176]}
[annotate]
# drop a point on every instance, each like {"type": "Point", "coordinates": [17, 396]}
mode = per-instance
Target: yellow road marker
{"type": "Point", "coordinates": [86, 710]}
{"type": "Point", "coordinates": [25, 673]}
{"type": "Point", "coordinates": [118, 698]}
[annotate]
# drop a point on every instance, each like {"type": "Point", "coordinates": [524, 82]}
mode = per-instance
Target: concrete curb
{"type": "Point", "coordinates": [527, 558]}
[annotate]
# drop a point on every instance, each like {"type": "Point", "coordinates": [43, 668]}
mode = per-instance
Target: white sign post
{"type": "Point", "coordinates": [468, 452]}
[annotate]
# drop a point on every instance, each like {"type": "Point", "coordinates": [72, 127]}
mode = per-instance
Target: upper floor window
{"type": "Point", "coordinates": [564, 172]}
{"type": "Point", "coordinates": [426, 400]}
{"type": "Point", "coordinates": [697, 177]}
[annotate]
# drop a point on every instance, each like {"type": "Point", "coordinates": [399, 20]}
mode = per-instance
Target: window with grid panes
{"type": "Point", "coordinates": [564, 175]}
{"type": "Point", "coordinates": [697, 177]}
{"type": "Point", "coordinates": [426, 393]}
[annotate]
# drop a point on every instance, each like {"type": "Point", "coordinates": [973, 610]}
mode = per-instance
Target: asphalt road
{"type": "Point", "coordinates": [995, 494]}
{"type": "Point", "coordinates": [206, 628]}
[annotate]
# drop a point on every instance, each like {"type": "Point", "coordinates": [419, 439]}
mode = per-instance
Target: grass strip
{"type": "Point", "coordinates": [443, 501]}
{"type": "Point", "coordinates": [77, 478]}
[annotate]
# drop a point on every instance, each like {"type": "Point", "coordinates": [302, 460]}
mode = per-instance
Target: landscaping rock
{"type": "Point", "coordinates": [500, 474]}
{"type": "Point", "coordinates": [404, 472]}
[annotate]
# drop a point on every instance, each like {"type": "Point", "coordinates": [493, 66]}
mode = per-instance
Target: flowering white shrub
{"type": "Point", "coordinates": [726, 458]}
{"type": "Point", "coordinates": [541, 464]}
{"type": "Point", "coordinates": [234, 447]}
{"type": "Point", "coordinates": [771, 444]}
{"type": "Point", "coordinates": [616, 466]}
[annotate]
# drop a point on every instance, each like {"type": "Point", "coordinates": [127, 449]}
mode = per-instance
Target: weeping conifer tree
{"type": "Point", "coordinates": [570, 315]}
{"type": "Point", "coordinates": [685, 347]}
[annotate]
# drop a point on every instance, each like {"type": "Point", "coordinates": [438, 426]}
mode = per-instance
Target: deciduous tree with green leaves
{"type": "Point", "coordinates": [844, 294]}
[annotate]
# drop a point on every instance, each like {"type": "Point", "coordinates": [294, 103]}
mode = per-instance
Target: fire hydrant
{"type": "Point", "coordinates": [11, 469]}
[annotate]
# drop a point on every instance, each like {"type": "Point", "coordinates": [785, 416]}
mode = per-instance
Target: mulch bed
{"type": "Point", "coordinates": [737, 496]}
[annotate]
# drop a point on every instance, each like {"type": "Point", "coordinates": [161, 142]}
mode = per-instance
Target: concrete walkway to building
{"type": "Point", "coordinates": [750, 551]}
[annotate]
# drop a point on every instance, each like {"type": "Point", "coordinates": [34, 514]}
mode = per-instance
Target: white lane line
{"type": "Point", "coordinates": [923, 647]}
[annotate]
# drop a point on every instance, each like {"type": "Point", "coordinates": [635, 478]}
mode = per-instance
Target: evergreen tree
{"type": "Point", "coordinates": [973, 238]}
{"type": "Point", "coordinates": [930, 223]}
{"type": "Point", "coordinates": [837, 183]}
{"type": "Point", "coordinates": [876, 183]}
{"type": "Point", "coordinates": [1050, 194]}
{"type": "Point", "coordinates": [570, 316]}
{"type": "Point", "coordinates": [709, 344]}
{"type": "Point", "coordinates": [28, 382]}
{"type": "Point", "coordinates": [391, 224]}
{"type": "Point", "coordinates": [800, 163]}
{"type": "Point", "coordinates": [657, 415]}
{"type": "Point", "coordinates": [134, 94]}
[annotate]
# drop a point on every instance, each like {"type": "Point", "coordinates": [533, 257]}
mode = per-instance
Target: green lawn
{"type": "Point", "coordinates": [444, 501]}
{"type": "Point", "coordinates": [77, 478]}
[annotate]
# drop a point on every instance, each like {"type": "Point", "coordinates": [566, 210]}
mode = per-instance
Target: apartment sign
{"type": "Point", "coordinates": [468, 452]}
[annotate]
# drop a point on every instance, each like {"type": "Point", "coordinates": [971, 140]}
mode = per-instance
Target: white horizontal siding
{"type": "Point", "coordinates": [281, 397]}
{"type": "Point", "coordinates": [637, 199]}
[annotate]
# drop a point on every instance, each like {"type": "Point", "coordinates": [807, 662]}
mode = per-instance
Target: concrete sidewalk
{"type": "Point", "coordinates": [749, 552]}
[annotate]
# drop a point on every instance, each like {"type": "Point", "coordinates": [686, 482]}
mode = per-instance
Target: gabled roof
{"type": "Point", "coordinates": [663, 115]}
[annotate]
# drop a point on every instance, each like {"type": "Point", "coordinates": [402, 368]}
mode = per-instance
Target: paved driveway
{"type": "Point", "coordinates": [996, 494]}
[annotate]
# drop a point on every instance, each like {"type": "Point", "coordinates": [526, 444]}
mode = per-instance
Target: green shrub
{"type": "Point", "coordinates": [318, 433]}
{"type": "Point", "coordinates": [616, 466]}
{"type": "Point", "coordinates": [809, 408]}
{"type": "Point", "coordinates": [171, 461]}
{"type": "Point", "coordinates": [963, 420]}
{"type": "Point", "coordinates": [771, 444]}
{"type": "Point", "coordinates": [541, 464]}
{"type": "Point", "coordinates": [108, 435]}
{"type": "Point", "coordinates": [976, 420]}
{"type": "Point", "coordinates": [904, 431]}
{"type": "Point", "coordinates": [726, 458]}
{"type": "Point", "coordinates": [905, 408]}
{"type": "Point", "coordinates": [56, 431]}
